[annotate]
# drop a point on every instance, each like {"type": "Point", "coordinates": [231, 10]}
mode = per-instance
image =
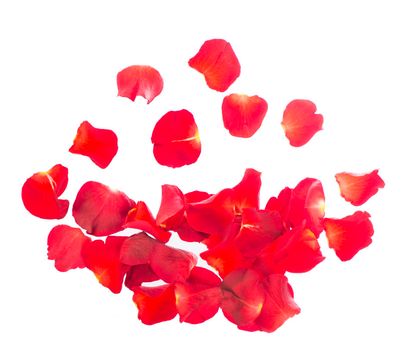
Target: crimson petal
{"type": "Point", "coordinates": [139, 274]}
{"type": "Point", "coordinates": [172, 207]}
{"type": "Point", "coordinates": [246, 192]}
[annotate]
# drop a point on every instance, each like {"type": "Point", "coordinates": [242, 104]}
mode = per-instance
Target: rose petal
{"type": "Point", "coordinates": [218, 63]}
{"type": "Point", "coordinates": [100, 210]}
{"type": "Point", "coordinates": [100, 145]}
{"type": "Point", "coordinates": [243, 115]}
{"type": "Point", "coordinates": [300, 122]}
{"type": "Point", "coordinates": [246, 193]}
{"type": "Point", "coordinates": [137, 249]}
{"type": "Point", "coordinates": [172, 207]}
{"type": "Point", "coordinates": [358, 188]}
{"type": "Point", "coordinates": [139, 80]}
{"type": "Point", "coordinates": [40, 193]}
{"type": "Point", "coordinates": [347, 236]}
{"type": "Point", "coordinates": [139, 274]}
{"type": "Point", "coordinates": [64, 245]}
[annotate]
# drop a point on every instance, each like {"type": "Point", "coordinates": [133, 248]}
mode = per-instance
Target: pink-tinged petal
{"type": "Point", "coordinates": [100, 210]}
{"type": "Point", "coordinates": [40, 193]}
{"type": "Point", "coordinates": [199, 297]}
{"type": "Point", "coordinates": [155, 304]}
{"type": "Point", "coordinates": [139, 80]}
{"type": "Point", "coordinates": [172, 207]}
{"type": "Point", "coordinates": [176, 140]}
{"type": "Point", "coordinates": [243, 115]}
{"type": "Point", "coordinates": [139, 274]}
{"type": "Point", "coordinates": [100, 145]}
{"type": "Point", "coordinates": [358, 188]}
{"type": "Point", "coordinates": [300, 122]}
{"type": "Point", "coordinates": [64, 246]}
{"type": "Point", "coordinates": [171, 264]}
{"type": "Point", "coordinates": [246, 192]}
{"type": "Point", "coordinates": [218, 63]}
{"type": "Point", "coordinates": [137, 249]}
{"type": "Point", "coordinates": [103, 259]}
{"type": "Point", "coordinates": [347, 236]}
{"type": "Point", "coordinates": [141, 218]}
{"type": "Point", "coordinates": [243, 296]}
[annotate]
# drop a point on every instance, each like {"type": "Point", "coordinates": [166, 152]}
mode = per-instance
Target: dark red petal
{"type": "Point", "coordinates": [171, 264]}
{"type": "Point", "coordinates": [142, 81]}
{"type": "Point", "coordinates": [176, 139]}
{"type": "Point", "coordinates": [64, 245]}
{"type": "Point", "coordinates": [243, 296]}
{"type": "Point", "coordinates": [347, 236]}
{"type": "Point", "coordinates": [188, 234]}
{"type": "Point", "coordinates": [103, 259]}
{"type": "Point", "coordinates": [300, 122]}
{"type": "Point", "coordinates": [358, 188]}
{"type": "Point", "coordinates": [139, 274]}
{"type": "Point", "coordinates": [40, 193]}
{"type": "Point", "coordinates": [155, 304]}
{"type": "Point", "coordinates": [246, 193]}
{"type": "Point", "coordinates": [172, 207]}
{"type": "Point", "coordinates": [137, 249]}
{"type": "Point", "coordinates": [243, 115]}
{"type": "Point", "coordinates": [218, 63]}
{"type": "Point", "coordinates": [141, 218]}
{"type": "Point", "coordinates": [100, 145]}
{"type": "Point", "coordinates": [101, 210]}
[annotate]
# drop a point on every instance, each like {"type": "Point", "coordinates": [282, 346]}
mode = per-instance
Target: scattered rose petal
{"type": "Point", "coordinates": [172, 207]}
{"type": "Point", "coordinates": [246, 193]}
{"type": "Point", "coordinates": [139, 274]}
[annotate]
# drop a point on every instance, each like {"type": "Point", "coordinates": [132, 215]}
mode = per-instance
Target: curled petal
{"type": "Point", "coordinates": [246, 193]}
{"type": "Point", "coordinates": [357, 189]}
{"type": "Point", "coordinates": [176, 139]}
{"type": "Point", "coordinates": [172, 207]}
{"type": "Point", "coordinates": [64, 246]}
{"type": "Point", "coordinates": [218, 63]}
{"type": "Point", "coordinates": [347, 236]}
{"type": "Point", "coordinates": [40, 193]}
{"type": "Point", "coordinates": [101, 210]}
{"type": "Point", "coordinates": [100, 145]}
{"type": "Point", "coordinates": [300, 122]}
{"type": "Point", "coordinates": [243, 115]}
{"type": "Point", "coordinates": [139, 80]}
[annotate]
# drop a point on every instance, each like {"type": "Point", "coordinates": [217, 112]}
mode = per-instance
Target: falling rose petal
{"type": "Point", "coordinates": [100, 210]}
{"type": "Point", "coordinates": [40, 193]}
{"type": "Point", "coordinates": [139, 80]}
{"type": "Point", "coordinates": [358, 188]}
{"type": "Point", "coordinates": [243, 296]}
{"type": "Point", "coordinates": [100, 145]}
{"type": "Point", "coordinates": [176, 139]}
{"type": "Point", "coordinates": [103, 259]}
{"type": "Point", "coordinates": [139, 274]}
{"type": "Point", "coordinates": [141, 218]}
{"type": "Point", "coordinates": [300, 122]}
{"type": "Point", "coordinates": [218, 63]}
{"type": "Point", "coordinates": [155, 304]}
{"type": "Point", "coordinates": [172, 207]}
{"type": "Point", "coordinates": [137, 249]}
{"type": "Point", "coordinates": [243, 115]}
{"type": "Point", "coordinates": [199, 297]}
{"type": "Point", "coordinates": [347, 236]}
{"type": "Point", "coordinates": [64, 246]}
{"type": "Point", "coordinates": [246, 193]}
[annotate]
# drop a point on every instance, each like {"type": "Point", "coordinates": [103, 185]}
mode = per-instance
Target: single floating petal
{"type": "Point", "coordinates": [347, 236]}
{"type": "Point", "coordinates": [218, 63]}
{"type": "Point", "coordinates": [300, 122]}
{"type": "Point", "coordinates": [41, 191]}
{"type": "Point", "coordinates": [358, 188]}
{"type": "Point", "coordinates": [100, 145]}
{"type": "Point", "coordinates": [243, 115]}
{"type": "Point", "coordinates": [139, 80]}
{"type": "Point", "coordinates": [176, 139]}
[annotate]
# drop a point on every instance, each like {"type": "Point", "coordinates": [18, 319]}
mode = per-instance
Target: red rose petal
{"type": "Point", "coordinates": [347, 236]}
{"type": "Point", "coordinates": [188, 234]}
{"type": "Point", "coordinates": [142, 81]}
{"type": "Point", "coordinates": [101, 210]}
{"type": "Point", "coordinates": [218, 63]}
{"type": "Point", "coordinates": [172, 207]}
{"type": "Point", "coordinates": [243, 115]}
{"type": "Point", "coordinates": [358, 188]}
{"type": "Point", "coordinates": [176, 139]}
{"type": "Point", "coordinates": [137, 249]}
{"type": "Point", "coordinates": [199, 297]}
{"type": "Point", "coordinates": [300, 122]}
{"type": "Point", "coordinates": [64, 247]}
{"type": "Point", "coordinates": [141, 218]}
{"type": "Point", "coordinates": [139, 274]}
{"type": "Point", "coordinates": [100, 145]}
{"type": "Point", "coordinates": [155, 304]}
{"type": "Point", "coordinates": [246, 193]}
{"type": "Point", "coordinates": [103, 259]}
{"type": "Point", "coordinates": [40, 193]}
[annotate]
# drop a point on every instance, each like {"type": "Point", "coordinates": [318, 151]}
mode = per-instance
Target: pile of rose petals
{"type": "Point", "coordinates": [249, 247]}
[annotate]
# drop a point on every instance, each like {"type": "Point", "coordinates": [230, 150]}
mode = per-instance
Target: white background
{"type": "Point", "coordinates": [58, 65]}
